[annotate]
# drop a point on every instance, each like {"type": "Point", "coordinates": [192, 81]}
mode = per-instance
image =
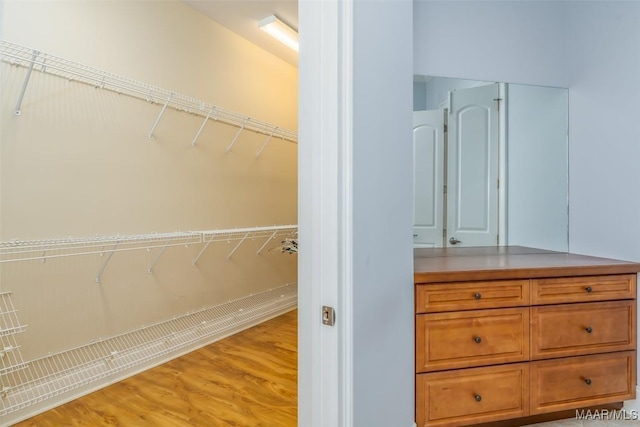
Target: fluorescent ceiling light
{"type": "Point", "coordinates": [281, 31]}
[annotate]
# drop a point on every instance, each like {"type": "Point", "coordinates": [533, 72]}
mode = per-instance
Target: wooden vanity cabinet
{"type": "Point", "coordinates": [520, 333]}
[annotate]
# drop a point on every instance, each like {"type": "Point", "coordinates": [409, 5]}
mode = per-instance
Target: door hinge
{"type": "Point", "coordinates": [497, 239]}
{"type": "Point", "coordinates": [328, 315]}
{"type": "Point", "coordinates": [446, 128]}
{"type": "Point", "coordinates": [498, 101]}
{"type": "Point", "coordinates": [444, 189]}
{"type": "Point", "coordinates": [498, 183]}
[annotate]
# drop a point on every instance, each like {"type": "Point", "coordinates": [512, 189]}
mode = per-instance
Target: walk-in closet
{"type": "Point", "coordinates": [148, 192]}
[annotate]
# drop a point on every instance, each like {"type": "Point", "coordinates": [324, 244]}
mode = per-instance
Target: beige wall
{"type": "Point", "coordinates": [78, 162]}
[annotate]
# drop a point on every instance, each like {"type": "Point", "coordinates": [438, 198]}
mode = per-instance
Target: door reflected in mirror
{"type": "Point", "coordinates": [490, 164]}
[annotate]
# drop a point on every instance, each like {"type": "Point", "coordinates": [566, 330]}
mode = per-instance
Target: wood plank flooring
{"type": "Point", "coordinates": [246, 380]}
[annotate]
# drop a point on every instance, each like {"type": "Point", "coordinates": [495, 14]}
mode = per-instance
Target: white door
{"type": "Point", "coordinates": [473, 166]}
{"type": "Point", "coordinates": [428, 177]}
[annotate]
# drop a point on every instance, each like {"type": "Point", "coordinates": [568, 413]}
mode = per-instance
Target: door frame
{"type": "Point", "coordinates": [325, 210]}
{"type": "Point", "coordinates": [350, 214]}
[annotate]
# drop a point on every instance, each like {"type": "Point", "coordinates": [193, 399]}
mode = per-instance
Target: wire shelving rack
{"type": "Point", "coordinates": [34, 60]}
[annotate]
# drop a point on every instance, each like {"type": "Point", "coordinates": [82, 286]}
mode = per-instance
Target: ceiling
{"type": "Point", "coordinates": [242, 16]}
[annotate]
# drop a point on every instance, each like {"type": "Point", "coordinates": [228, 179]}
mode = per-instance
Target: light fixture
{"type": "Point", "coordinates": [281, 31]}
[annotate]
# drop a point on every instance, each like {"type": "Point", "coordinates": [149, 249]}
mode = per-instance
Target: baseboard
{"type": "Point", "coordinates": [221, 321]}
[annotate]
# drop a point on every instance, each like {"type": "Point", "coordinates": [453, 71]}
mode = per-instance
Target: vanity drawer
{"type": "Point", "coordinates": [471, 338]}
{"type": "Point", "coordinates": [471, 295]}
{"type": "Point", "coordinates": [576, 329]}
{"type": "Point", "coordinates": [472, 396]}
{"type": "Point", "coordinates": [583, 289]}
{"type": "Point", "coordinates": [582, 381]}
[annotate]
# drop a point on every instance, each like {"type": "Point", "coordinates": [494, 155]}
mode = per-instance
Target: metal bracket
{"type": "Point", "coordinates": [265, 143]}
{"type": "Point", "coordinates": [155, 260]}
{"type": "Point", "coordinates": [237, 134]}
{"type": "Point", "coordinates": [206, 119]}
{"type": "Point", "coordinates": [265, 243]}
{"type": "Point", "coordinates": [195, 260]}
{"type": "Point", "coordinates": [25, 82]}
{"type": "Point", "coordinates": [106, 262]}
{"type": "Point", "coordinates": [164, 107]}
{"type": "Point", "coordinates": [238, 245]}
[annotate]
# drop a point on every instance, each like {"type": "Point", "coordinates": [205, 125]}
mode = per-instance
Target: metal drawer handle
{"type": "Point", "coordinates": [477, 339]}
{"type": "Point", "coordinates": [589, 329]}
{"type": "Point", "coordinates": [477, 397]}
{"type": "Point", "coordinates": [588, 289]}
{"type": "Point", "coordinates": [587, 381]}
{"type": "Point", "coordinates": [477, 295]}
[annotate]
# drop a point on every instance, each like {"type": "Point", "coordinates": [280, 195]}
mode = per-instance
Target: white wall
{"type": "Point", "coordinates": [506, 41]}
{"type": "Point", "coordinates": [604, 87]}
{"type": "Point", "coordinates": [382, 215]}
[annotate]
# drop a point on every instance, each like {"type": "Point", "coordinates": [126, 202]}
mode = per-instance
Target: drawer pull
{"type": "Point", "coordinates": [477, 397]}
{"type": "Point", "coordinates": [587, 381]}
{"type": "Point", "coordinates": [477, 339]}
{"type": "Point", "coordinates": [477, 295]}
{"type": "Point", "coordinates": [589, 329]}
{"type": "Point", "coordinates": [588, 289]}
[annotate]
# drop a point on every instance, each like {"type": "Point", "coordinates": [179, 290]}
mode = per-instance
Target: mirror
{"type": "Point", "coordinates": [490, 164]}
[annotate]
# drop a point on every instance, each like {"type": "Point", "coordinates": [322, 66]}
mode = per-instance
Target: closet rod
{"type": "Point", "coordinates": [15, 54]}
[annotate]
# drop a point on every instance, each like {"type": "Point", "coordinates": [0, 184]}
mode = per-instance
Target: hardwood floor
{"type": "Point", "coordinates": [246, 380]}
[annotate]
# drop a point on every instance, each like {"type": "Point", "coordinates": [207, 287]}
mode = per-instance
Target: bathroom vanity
{"type": "Point", "coordinates": [510, 332]}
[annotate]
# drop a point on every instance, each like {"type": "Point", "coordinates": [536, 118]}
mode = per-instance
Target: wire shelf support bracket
{"type": "Point", "coordinates": [238, 245]}
{"type": "Point", "coordinates": [195, 260]}
{"type": "Point", "coordinates": [34, 60]}
{"type": "Point", "coordinates": [264, 144]}
{"type": "Point", "coordinates": [156, 259]}
{"type": "Point", "coordinates": [23, 90]}
{"type": "Point", "coordinates": [204, 122]}
{"type": "Point", "coordinates": [267, 242]}
{"type": "Point", "coordinates": [164, 108]}
{"type": "Point", "coordinates": [235, 138]}
{"type": "Point", "coordinates": [106, 262]}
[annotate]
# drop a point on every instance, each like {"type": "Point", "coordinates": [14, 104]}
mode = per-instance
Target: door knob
{"type": "Point", "coordinates": [454, 241]}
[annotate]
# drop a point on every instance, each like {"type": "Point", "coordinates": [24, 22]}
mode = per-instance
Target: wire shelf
{"type": "Point", "coordinates": [56, 374]}
{"type": "Point", "coordinates": [11, 361]}
{"type": "Point", "coordinates": [26, 250]}
{"type": "Point", "coordinates": [9, 322]}
{"type": "Point", "coordinates": [35, 60]}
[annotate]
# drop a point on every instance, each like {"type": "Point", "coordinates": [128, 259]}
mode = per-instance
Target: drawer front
{"type": "Point", "coordinates": [471, 338]}
{"type": "Point", "coordinates": [583, 289]}
{"type": "Point", "coordinates": [472, 295]}
{"type": "Point", "coordinates": [576, 382]}
{"type": "Point", "coordinates": [577, 329]}
{"type": "Point", "coordinates": [472, 396]}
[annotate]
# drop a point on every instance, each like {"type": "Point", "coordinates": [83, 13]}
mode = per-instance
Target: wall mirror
{"type": "Point", "coordinates": [490, 164]}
